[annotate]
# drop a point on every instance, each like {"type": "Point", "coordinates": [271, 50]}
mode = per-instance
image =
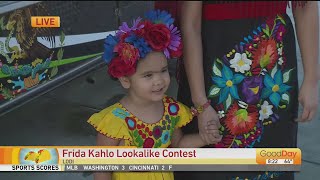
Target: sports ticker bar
{"type": "Point", "coordinates": [98, 158]}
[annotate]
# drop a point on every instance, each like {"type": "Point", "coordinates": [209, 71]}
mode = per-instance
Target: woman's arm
{"type": "Point", "coordinates": [192, 51]}
{"type": "Point", "coordinates": [102, 140]}
{"type": "Point", "coordinates": [307, 29]}
{"type": "Point", "coordinates": [191, 13]}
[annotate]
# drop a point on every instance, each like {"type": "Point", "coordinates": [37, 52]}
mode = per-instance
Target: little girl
{"type": "Point", "coordinates": [146, 117]}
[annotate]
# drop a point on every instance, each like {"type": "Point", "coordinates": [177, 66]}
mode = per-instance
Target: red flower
{"type": "Point", "coordinates": [123, 37]}
{"type": "Point", "coordinates": [148, 143]}
{"type": "Point", "coordinates": [266, 55]}
{"type": "Point", "coordinates": [141, 32]}
{"type": "Point", "coordinates": [158, 37]}
{"type": "Point", "coordinates": [240, 121]}
{"type": "Point", "coordinates": [128, 53]}
{"type": "Point", "coordinates": [177, 53]}
{"type": "Point", "coordinates": [118, 68]}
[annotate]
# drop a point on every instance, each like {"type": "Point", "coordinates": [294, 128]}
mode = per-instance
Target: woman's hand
{"type": "Point", "coordinates": [209, 124]}
{"type": "Point", "coordinates": [309, 99]}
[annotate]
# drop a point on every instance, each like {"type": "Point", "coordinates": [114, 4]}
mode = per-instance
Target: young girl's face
{"type": "Point", "coordinates": [151, 80]}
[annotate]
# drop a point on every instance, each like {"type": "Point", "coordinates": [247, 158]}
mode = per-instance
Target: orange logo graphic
{"type": "Point", "coordinates": [45, 21]}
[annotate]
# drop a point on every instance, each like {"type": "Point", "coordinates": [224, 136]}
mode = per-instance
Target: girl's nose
{"type": "Point", "coordinates": [158, 81]}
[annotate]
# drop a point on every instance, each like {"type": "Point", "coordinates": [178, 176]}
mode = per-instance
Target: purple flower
{"type": "Point", "coordinates": [251, 89]}
{"type": "Point", "coordinates": [124, 28]}
{"type": "Point", "coordinates": [175, 40]}
{"type": "Point", "coordinates": [175, 37]}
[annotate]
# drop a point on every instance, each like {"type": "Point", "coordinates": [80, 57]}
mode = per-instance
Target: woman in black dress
{"type": "Point", "coordinates": [242, 57]}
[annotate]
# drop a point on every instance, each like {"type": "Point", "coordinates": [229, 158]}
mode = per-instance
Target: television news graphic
{"type": "Point", "coordinates": [45, 21]}
{"type": "Point", "coordinates": [102, 158]}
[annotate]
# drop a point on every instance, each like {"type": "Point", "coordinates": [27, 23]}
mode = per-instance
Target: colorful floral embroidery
{"type": "Point", "coordinates": [274, 88]}
{"type": "Point", "coordinates": [151, 135]}
{"type": "Point", "coordinates": [264, 176]}
{"type": "Point", "coordinates": [266, 111]}
{"type": "Point", "coordinates": [250, 84]}
{"type": "Point", "coordinates": [265, 56]}
{"type": "Point", "coordinates": [239, 121]}
{"type": "Point", "coordinates": [131, 122]}
{"type": "Point", "coordinates": [240, 62]}
{"type": "Point", "coordinates": [165, 137]}
{"type": "Point", "coordinates": [251, 89]}
{"type": "Point", "coordinates": [228, 83]}
{"type": "Point", "coordinates": [120, 113]}
{"type": "Point", "coordinates": [148, 143]}
{"type": "Point", "coordinates": [173, 108]}
{"type": "Point", "coordinates": [157, 132]}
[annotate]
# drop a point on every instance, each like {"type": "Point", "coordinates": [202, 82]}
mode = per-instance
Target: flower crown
{"type": "Point", "coordinates": [155, 33]}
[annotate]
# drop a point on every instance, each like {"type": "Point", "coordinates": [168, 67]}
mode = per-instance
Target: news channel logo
{"type": "Point", "coordinates": [38, 156]}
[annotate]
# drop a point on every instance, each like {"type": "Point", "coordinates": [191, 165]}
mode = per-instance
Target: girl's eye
{"type": "Point", "coordinates": [165, 70]}
{"type": "Point", "coordinates": [147, 75]}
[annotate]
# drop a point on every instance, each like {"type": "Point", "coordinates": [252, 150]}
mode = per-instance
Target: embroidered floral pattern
{"type": "Point", "coordinates": [275, 87]}
{"type": "Point", "coordinates": [240, 121]}
{"type": "Point", "coordinates": [240, 62]}
{"type": "Point", "coordinates": [173, 108]}
{"type": "Point", "coordinates": [120, 113]}
{"type": "Point", "coordinates": [264, 176]}
{"type": "Point", "coordinates": [131, 122]}
{"type": "Point", "coordinates": [266, 111]}
{"type": "Point", "coordinates": [250, 84]}
{"type": "Point", "coordinates": [157, 132]}
{"type": "Point", "coordinates": [165, 137]}
{"type": "Point", "coordinates": [251, 89]}
{"type": "Point", "coordinates": [228, 83]}
{"type": "Point", "coordinates": [148, 143]}
{"type": "Point", "coordinates": [265, 56]}
{"type": "Point", "coordinates": [152, 135]}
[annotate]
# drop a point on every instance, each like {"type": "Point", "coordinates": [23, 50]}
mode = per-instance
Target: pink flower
{"type": "Point", "coordinates": [280, 33]}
